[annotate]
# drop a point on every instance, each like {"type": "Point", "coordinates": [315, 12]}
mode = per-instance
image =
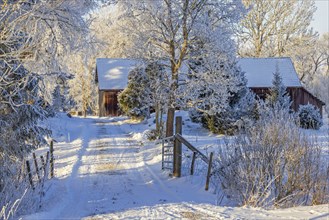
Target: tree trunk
{"type": "Point", "coordinates": [157, 119]}
{"type": "Point", "coordinates": [171, 105]}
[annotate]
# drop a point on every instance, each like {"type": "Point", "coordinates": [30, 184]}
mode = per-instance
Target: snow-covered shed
{"type": "Point", "coordinates": [259, 73]}
{"type": "Point", "coordinates": [112, 78]}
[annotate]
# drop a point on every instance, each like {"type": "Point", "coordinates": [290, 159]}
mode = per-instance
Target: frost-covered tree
{"type": "Point", "coordinates": [168, 29]}
{"type": "Point", "coordinates": [147, 90]}
{"type": "Point", "coordinates": [278, 95]}
{"type": "Point", "coordinates": [309, 117]}
{"type": "Point", "coordinates": [21, 111]}
{"type": "Point", "coordinates": [220, 99]}
{"type": "Point", "coordinates": [158, 75]}
{"type": "Point", "coordinates": [108, 20]}
{"type": "Point", "coordinates": [314, 69]}
{"type": "Point", "coordinates": [215, 87]}
{"type": "Point", "coordinates": [33, 36]}
{"type": "Point", "coordinates": [270, 26]}
{"type": "Point", "coordinates": [136, 101]}
{"type": "Point", "coordinates": [58, 99]}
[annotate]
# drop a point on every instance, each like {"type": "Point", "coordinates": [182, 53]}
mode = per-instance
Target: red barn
{"type": "Point", "coordinates": [112, 78]}
{"type": "Point", "coordinates": [259, 73]}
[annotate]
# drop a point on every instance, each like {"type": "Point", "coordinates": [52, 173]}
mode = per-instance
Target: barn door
{"type": "Point", "coordinates": [111, 103]}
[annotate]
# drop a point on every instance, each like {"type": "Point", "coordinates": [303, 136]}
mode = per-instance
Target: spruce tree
{"type": "Point", "coordinates": [135, 101]}
{"type": "Point", "coordinates": [278, 96]}
{"type": "Point", "coordinates": [58, 99]}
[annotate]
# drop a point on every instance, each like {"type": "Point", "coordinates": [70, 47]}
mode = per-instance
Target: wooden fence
{"type": "Point", "coordinates": [176, 143]}
{"type": "Point", "coordinates": [39, 168]}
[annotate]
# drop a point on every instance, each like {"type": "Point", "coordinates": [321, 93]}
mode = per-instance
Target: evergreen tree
{"type": "Point", "coordinates": [278, 95]}
{"type": "Point", "coordinates": [58, 99]}
{"type": "Point", "coordinates": [147, 90]}
{"type": "Point", "coordinates": [135, 101]}
{"type": "Point", "coordinates": [220, 98]}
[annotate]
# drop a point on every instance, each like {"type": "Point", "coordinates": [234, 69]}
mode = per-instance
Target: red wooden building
{"type": "Point", "coordinates": [259, 73]}
{"type": "Point", "coordinates": [112, 78]}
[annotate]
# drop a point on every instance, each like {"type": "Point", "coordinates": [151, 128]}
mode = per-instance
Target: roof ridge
{"type": "Point", "coordinates": [117, 58]}
{"type": "Point", "coordinates": [264, 58]}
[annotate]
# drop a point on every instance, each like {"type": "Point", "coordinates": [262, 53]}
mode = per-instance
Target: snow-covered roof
{"type": "Point", "coordinates": [259, 71]}
{"type": "Point", "coordinates": [113, 73]}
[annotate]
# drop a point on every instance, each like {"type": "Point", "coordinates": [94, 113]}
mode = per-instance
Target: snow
{"type": "Point", "coordinates": [106, 169]}
{"type": "Point", "coordinates": [259, 71]}
{"type": "Point", "coordinates": [113, 73]}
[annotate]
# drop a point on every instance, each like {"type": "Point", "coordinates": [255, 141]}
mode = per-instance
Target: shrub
{"type": "Point", "coordinates": [150, 135]}
{"type": "Point", "coordinates": [220, 123]}
{"type": "Point", "coordinates": [273, 164]}
{"type": "Point", "coordinates": [195, 115]}
{"type": "Point", "coordinates": [309, 117]}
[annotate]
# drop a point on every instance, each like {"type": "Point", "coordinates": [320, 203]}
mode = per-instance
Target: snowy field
{"type": "Point", "coordinates": [106, 169]}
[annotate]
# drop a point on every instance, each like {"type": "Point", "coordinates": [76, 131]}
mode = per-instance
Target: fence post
{"type": "Point", "coordinates": [178, 149]}
{"type": "Point", "coordinates": [209, 171]}
{"type": "Point", "coordinates": [47, 165]}
{"type": "Point", "coordinates": [29, 173]}
{"type": "Point", "coordinates": [51, 159]}
{"type": "Point", "coordinates": [193, 161]}
{"type": "Point", "coordinates": [162, 164]}
{"type": "Point", "coordinates": [36, 166]}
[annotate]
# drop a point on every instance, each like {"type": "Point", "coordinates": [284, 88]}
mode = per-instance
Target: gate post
{"type": "Point", "coordinates": [178, 149]}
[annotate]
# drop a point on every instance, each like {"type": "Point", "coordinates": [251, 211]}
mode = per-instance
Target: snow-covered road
{"type": "Point", "coordinates": [102, 172]}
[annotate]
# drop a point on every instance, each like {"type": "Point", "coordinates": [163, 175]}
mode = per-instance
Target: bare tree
{"type": "Point", "coordinates": [269, 26]}
{"type": "Point", "coordinates": [310, 59]}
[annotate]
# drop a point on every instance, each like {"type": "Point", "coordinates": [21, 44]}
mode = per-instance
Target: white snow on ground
{"type": "Point", "coordinates": [104, 169]}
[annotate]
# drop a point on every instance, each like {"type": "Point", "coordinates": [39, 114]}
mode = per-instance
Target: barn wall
{"type": "Point", "coordinates": [304, 97]}
{"type": "Point", "coordinates": [299, 96]}
{"type": "Point", "coordinates": [108, 103]}
{"type": "Point", "coordinates": [101, 106]}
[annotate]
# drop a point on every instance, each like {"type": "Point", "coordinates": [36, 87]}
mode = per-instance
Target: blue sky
{"type": "Point", "coordinates": [321, 16]}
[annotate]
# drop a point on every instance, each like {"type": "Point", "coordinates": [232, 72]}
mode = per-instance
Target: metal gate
{"type": "Point", "coordinates": [168, 153]}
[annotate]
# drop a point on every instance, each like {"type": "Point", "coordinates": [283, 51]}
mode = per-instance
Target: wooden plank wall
{"type": "Point", "coordinates": [108, 103]}
{"type": "Point", "coordinates": [299, 96]}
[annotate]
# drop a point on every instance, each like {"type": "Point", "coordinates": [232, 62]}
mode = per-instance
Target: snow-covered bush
{"type": "Point", "coordinates": [309, 117]}
{"type": "Point", "coordinates": [135, 101]}
{"type": "Point", "coordinates": [273, 164]}
{"type": "Point", "coordinates": [150, 134]}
